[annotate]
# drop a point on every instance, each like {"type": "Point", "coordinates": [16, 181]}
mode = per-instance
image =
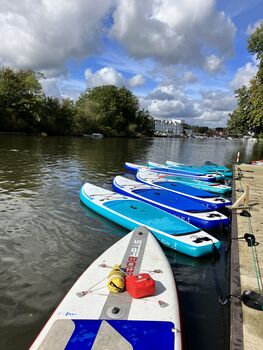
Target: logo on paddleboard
{"type": "Point", "coordinates": [133, 256]}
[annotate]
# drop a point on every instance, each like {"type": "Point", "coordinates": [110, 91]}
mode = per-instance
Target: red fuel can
{"type": "Point", "coordinates": [140, 285]}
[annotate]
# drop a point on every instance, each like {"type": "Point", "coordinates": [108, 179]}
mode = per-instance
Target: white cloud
{"type": "Point", "coordinates": [136, 80]}
{"type": "Point", "coordinates": [104, 76]}
{"type": "Point", "coordinates": [189, 77]}
{"type": "Point", "coordinates": [50, 87]}
{"type": "Point", "coordinates": [169, 109]}
{"type": "Point", "coordinates": [110, 76]}
{"type": "Point", "coordinates": [218, 101]}
{"type": "Point", "coordinates": [210, 109]}
{"type": "Point", "coordinates": [63, 88]}
{"type": "Point", "coordinates": [165, 108]}
{"type": "Point", "coordinates": [244, 75]}
{"type": "Point", "coordinates": [252, 27]}
{"type": "Point", "coordinates": [44, 34]}
{"type": "Point", "coordinates": [167, 101]}
{"type": "Point", "coordinates": [167, 42]}
{"type": "Point", "coordinates": [214, 108]}
{"type": "Point", "coordinates": [213, 118]}
{"type": "Point", "coordinates": [172, 31]}
{"type": "Point", "coordinates": [213, 64]}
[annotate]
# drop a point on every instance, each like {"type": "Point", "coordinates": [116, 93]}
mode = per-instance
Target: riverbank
{"type": "Point", "coordinates": [247, 261]}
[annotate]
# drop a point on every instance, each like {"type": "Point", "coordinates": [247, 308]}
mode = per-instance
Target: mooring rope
{"type": "Point", "coordinates": [255, 259]}
{"type": "Point", "coordinates": [253, 249]}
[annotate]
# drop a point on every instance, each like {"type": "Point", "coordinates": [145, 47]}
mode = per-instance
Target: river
{"type": "Point", "coordinates": [47, 238]}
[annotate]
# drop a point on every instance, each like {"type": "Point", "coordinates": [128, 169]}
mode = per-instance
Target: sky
{"type": "Point", "coordinates": [183, 59]}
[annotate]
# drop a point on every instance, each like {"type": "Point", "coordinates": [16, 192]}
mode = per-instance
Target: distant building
{"type": "Point", "coordinates": [168, 127]}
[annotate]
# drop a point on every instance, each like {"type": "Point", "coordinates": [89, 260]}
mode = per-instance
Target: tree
{"type": "Point", "coordinates": [200, 129]}
{"type": "Point", "coordinates": [87, 116]}
{"type": "Point", "coordinates": [248, 116]}
{"type": "Point", "coordinates": [240, 118]}
{"type": "Point", "coordinates": [107, 109]}
{"type": "Point", "coordinates": [144, 123]}
{"type": "Point", "coordinates": [21, 96]}
{"type": "Point", "coordinates": [57, 117]}
{"type": "Point", "coordinates": [112, 111]}
{"type": "Point", "coordinates": [255, 46]}
{"type": "Point", "coordinates": [255, 42]}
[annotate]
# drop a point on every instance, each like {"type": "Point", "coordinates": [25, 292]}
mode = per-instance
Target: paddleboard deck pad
{"type": "Point", "coordinates": [91, 317]}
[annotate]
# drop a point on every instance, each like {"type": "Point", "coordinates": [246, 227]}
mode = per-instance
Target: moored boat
{"type": "Point", "coordinates": [94, 135]}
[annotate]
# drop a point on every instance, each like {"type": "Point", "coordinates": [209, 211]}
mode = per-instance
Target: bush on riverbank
{"type": "Point", "coordinates": [107, 109]}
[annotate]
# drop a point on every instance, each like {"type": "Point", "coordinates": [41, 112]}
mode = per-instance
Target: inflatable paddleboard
{"type": "Point", "coordinates": [184, 208]}
{"type": "Point", "coordinates": [167, 228]}
{"type": "Point", "coordinates": [91, 317]}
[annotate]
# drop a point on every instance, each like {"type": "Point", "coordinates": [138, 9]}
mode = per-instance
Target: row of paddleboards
{"type": "Point", "coordinates": [176, 213]}
{"type": "Point", "coordinates": [91, 316]}
{"type": "Point", "coordinates": [190, 180]}
{"type": "Point", "coordinates": [200, 173]}
{"type": "Point", "coordinates": [207, 167]}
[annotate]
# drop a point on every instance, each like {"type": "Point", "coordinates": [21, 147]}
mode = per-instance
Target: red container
{"type": "Point", "coordinates": [140, 286]}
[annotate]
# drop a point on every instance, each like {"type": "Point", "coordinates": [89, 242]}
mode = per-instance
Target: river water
{"type": "Point", "coordinates": [47, 238]}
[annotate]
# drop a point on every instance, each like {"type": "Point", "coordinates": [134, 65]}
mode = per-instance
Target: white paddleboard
{"type": "Point", "coordinates": [91, 317]}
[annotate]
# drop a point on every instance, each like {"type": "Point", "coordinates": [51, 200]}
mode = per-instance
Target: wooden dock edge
{"type": "Point", "coordinates": [236, 315]}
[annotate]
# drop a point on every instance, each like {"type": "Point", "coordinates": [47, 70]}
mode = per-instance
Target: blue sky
{"type": "Point", "coordinates": [183, 59]}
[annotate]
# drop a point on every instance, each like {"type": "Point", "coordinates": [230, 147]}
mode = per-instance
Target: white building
{"type": "Point", "coordinates": [168, 127]}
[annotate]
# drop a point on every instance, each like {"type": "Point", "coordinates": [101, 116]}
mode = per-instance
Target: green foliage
{"type": "Point", "coordinates": [248, 116]}
{"type": "Point", "coordinates": [240, 118]}
{"type": "Point", "coordinates": [200, 129]}
{"type": "Point", "coordinates": [21, 96]}
{"type": "Point", "coordinates": [144, 122]}
{"type": "Point", "coordinates": [57, 116]}
{"type": "Point", "coordinates": [256, 101]}
{"type": "Point", "coordinates": [106, 109]}
{"type": "Point", "coordinates": [255, 42]}
{"type": "Point", "coordinates": [112, 111]}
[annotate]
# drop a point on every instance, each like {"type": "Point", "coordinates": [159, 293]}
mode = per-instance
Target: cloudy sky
{"type": "Point", "coordinates": [182, 58]}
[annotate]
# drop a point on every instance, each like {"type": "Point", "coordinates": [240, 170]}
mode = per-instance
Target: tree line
{"type": "Point", "coordinates": [110, 110]}
{"type": "Point", "coordinates": [248, 115]}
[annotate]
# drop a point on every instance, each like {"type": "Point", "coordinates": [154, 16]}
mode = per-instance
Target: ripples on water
{"type": "Point", "coordinates": [47, 238]}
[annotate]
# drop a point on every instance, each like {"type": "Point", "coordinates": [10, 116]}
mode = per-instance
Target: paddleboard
{"type": "Point", "coordinates": [211, 200]}
{"type": "Point", "coordinates": [164, 169]}
{"type": "Point", "coordinates": [186, 169]}
{"type": "Point", "coordinates": [208, 168]}
{"type": "Point", "coordinates": [90, 317]}
{"type": "Point", "coordinates": [185, 208]}
{"type": "Point", "coordinates": [213, 187]}
{"type": "Point", "coordinates": [130, 213]}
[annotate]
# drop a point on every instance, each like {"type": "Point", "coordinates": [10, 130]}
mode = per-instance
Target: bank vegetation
{"type": "Point", "coordinates": [247, 118]}
{"type": "Point", "coordinates": [110, 110]}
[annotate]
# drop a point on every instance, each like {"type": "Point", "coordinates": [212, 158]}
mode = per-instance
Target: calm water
{"type": "Point", "coordinates": [47, 238]}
